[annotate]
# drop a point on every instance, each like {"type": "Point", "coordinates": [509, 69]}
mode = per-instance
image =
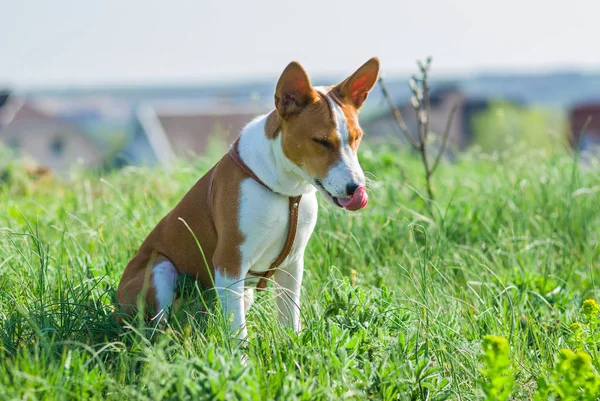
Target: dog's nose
{"type": "Point", "coordinates": [351, 188]}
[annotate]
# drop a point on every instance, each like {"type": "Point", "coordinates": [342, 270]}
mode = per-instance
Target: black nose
{"type": "Point", "coordinates": [351, 188]}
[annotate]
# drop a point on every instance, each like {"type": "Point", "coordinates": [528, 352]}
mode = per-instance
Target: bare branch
{"type": "Point", "coordinates": [444, 138]}
{"type": "Point", "coordinates": [397, 115]}
{"type": "Point", "coordinates": [421, 104]}
{"type": "Point", "coordinates": [427, 106]}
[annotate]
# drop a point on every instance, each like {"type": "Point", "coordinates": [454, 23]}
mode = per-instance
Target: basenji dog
{"type": "Point", "coordinates": [250, 216]}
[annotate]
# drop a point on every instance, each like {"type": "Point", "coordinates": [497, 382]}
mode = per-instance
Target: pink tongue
{"type": "Point", "coordinates": [358, 200]}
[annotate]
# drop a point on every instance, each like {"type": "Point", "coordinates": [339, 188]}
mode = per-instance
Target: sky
{"type": "Point", "coordinates": [97, 42]}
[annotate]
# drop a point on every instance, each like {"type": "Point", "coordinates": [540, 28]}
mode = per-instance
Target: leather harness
{"type": "Point", "coordinates": [294, 206]}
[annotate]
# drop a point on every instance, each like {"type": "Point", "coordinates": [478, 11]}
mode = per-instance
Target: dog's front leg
{"type": "Point", "coordinates": [287, 292]}
{"type": "Point", "coordinates": [230, 291]}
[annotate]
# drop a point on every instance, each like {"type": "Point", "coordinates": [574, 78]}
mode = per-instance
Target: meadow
{"type": "Point", "coordinates": [482, 296]}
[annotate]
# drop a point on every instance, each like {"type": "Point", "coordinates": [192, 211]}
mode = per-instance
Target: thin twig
{"type": "Point", "coordinates": [423, 117]}
{"type": "Point", "coordinates": [422, 106]}
{"type": "Point", "coordinates": [397, 115]}
{"type": "Point", "coordinates": [444, 138]}
{"type": "Point", "coordinates": [417, 103]}
{"type": "Point", "coordinates": [426, 99]}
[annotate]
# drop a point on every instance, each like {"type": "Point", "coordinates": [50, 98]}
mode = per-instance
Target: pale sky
{"type": "Point", "coordinates": [91, 42]}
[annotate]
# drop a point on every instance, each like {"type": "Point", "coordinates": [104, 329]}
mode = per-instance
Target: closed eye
{"type": "Point", "coordinates": [323, 142]}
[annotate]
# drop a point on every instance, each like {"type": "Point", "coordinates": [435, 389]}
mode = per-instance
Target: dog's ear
{"type": "Point", "coordinates": [356, 87]}
{"type": "Point", "coordinates": [293, 90]}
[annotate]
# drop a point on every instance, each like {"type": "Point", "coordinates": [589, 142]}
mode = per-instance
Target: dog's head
{"type": "Point", "coordinates": [320, 130]}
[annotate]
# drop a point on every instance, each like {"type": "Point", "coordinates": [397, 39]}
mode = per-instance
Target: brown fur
{"type": "Point", "coordinates": [355, 88]}
{"type": "Point", "coordinates": [299, 132]}
{"type": "Point", "coordinates": [171, 239]}
{"type": "Point", "coordinates": [272, 126]}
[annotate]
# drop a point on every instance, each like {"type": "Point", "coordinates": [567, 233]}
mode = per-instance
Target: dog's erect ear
{"type": "Point", "coordinates": [356, 87]}
{"type": "Point", "coordinates": [293, 91]}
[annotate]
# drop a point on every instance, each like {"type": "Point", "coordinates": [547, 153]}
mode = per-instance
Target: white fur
{"type": "Point", "coordinates": [248, 298]}
{"type": "Point", "coordinates": [287, 291]}
{"type": "Point", "coordinates": [164, 277]}
{"type": "Point", "coordinates": [231, 296]}
{"type": "Point", "coordinates": [263, 218]}
{"type": "Point", "coordinates": [343, 172]}
{"type": "Point", "coordinates": [348, 168]}
{"type": "Point", "coordinates": [340, 121]}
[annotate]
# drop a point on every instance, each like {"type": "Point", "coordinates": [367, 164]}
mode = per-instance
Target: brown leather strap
{"type": "Point", "coordinates": [235, 155]}
{"type": "Point", "coordinates": [294, 206]}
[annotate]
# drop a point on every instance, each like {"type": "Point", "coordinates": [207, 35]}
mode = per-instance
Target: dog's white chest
{"type": "Point", "coordinates": [264, 222]}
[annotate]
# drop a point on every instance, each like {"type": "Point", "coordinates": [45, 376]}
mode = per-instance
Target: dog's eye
{"type": "Point", "coordinates": [323, 142]}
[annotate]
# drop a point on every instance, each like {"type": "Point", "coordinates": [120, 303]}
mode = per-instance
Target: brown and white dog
{"type": "Point", "coordinates": [252, 214]}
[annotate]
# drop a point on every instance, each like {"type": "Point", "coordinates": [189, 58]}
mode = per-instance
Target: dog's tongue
{"type": "Point", "coordinates": [358, 200]}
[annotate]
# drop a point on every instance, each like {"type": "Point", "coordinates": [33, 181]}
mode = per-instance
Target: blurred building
{"type": "Point", "coordinates": [4, 95]}
{"type": "Point", "coordinates": [584, 119]}
{"type": "Point", "coordinates": [160, 134]}
{"type": "Point", "coordinates": [55, 144]}
{"type": "Point", "coordinates": [441, 100]}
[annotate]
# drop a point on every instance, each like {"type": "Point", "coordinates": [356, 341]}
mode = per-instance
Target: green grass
{"type": "Point", "coordinates": [396, 302]}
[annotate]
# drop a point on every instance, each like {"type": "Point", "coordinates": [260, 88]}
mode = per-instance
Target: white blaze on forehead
{"type": "Point", "coordinates": [341, 122]}
{"type": "Point", "coordinates": [340, 119]}
{"type": "Point", "coordinates": [348, 156]}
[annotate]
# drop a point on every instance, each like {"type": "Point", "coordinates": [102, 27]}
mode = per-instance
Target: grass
{"type": "Point", "coordinates": [396, 303]}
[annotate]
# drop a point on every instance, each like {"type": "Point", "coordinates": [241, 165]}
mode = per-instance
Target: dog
{"type": "Point", "coordinates": [250, 216]}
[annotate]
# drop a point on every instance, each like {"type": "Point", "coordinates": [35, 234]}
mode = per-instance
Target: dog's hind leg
{"type": "Point", "coordinates": [155, 283]}
{"type": "Point", "coordinates": [164, 278]}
